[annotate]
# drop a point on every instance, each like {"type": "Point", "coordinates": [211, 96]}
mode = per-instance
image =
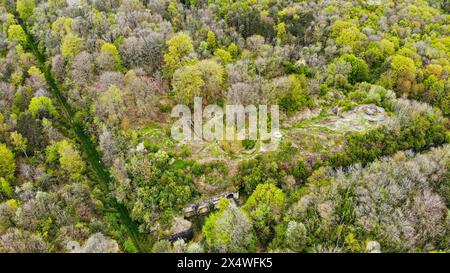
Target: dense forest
{"type": "Point", "coordinates": [88, 164]}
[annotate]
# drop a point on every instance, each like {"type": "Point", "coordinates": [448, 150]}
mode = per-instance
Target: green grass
{"type": "Point", "coordinates": [152, 126]}
{"type": "Point", "coordinates": [304, 123]}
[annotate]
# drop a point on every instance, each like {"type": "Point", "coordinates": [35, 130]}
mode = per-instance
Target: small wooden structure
{"type": "Point", "coordinates": [190, 210]}
{"type": "Point", "coordinates": [204, 206]}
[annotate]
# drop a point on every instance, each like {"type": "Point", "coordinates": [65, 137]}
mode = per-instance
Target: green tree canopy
{"type": "Point", "coordinates": [16, 33]}
{"type": "Point", "coordinates": [229, 230]}
{"type": "Point", "coordinates": [71, 45]}
{"type": "Point", "coordinates": [111, 49]}
{"type": "Point", "coordinates": [25, 8]}
{"type": "Point", "coordinates": [7, 162]}
{"type": "Point", "coordinates": [360, 70]}
{"type": "Point", "coordinates": [178, 48]}
{"type": "Point", "coordinates": [70, 160]}
{"type": "Point", "coordinates": [265, 207]}
{"type": "Point", "coordinates": [41, 104]}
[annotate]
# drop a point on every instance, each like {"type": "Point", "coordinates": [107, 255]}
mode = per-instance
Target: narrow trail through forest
{"type": "Point", "coordinates": [87, 145]}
